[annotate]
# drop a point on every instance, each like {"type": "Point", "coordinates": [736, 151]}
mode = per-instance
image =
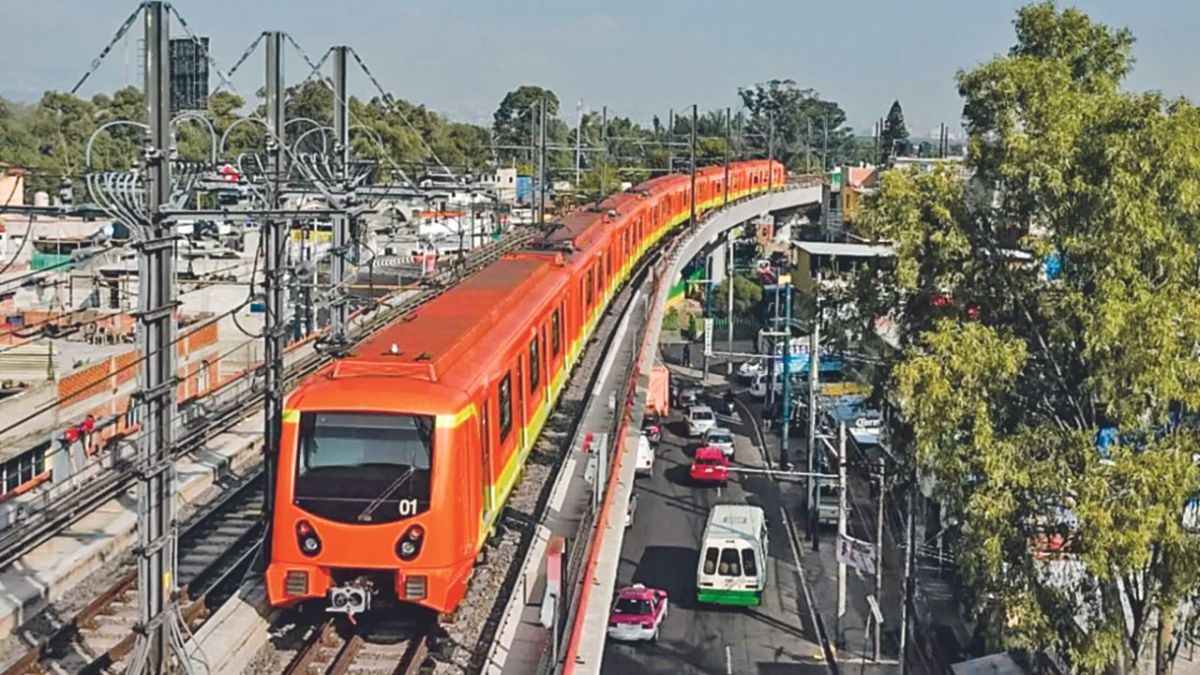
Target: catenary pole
{"type": "Point", "coordinates": [274, 270]}
{"type": "Point", "coordinates": [341, 223]}
{"type": "Point", "coordinates": [157, 630]}
{"type": "Point", "coordinates": [840, 627]}
{"type": "Point", "coordinates": [814, 369]}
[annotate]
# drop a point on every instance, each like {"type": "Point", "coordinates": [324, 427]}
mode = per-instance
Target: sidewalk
{"type": "Point", "coordinates": [523, 641]}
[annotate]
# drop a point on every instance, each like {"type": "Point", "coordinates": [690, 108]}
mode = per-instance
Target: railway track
{"type": "Point", "coordinates": [387, 646]}
{"type": "Point", "coordinates": [213, 553]}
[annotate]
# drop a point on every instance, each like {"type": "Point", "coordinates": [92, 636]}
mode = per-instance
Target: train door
{"type": "Point", "coordinates": [524, 418]}
{"type": "Point", "coordinates": [485, 452]}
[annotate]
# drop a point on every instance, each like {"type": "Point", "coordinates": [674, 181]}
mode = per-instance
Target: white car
{"type": "Point", "coordinates": [700, 418]}
{"type": "Point", "coordinates": [750, 369]}
{"type": "Point", "coordinates": [720, 437]}
{"type": "Point", "coordinates": [645, 456]}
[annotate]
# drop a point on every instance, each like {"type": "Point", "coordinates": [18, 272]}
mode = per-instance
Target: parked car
{"type": "Point", "coordinates": [645, 456]}
{"type": "Point", "coordinates": [638, 613]}
{"type": "Point", "coordinates": [710, 465]}
{"type": "Point", "coordinates": [749, 369]}
{"type": "Point", "coordinates": [827, 506]}
{"type": "Point", "coordinates": [720, 438]}
{"type": "Point", "coordinates": [700, 418]}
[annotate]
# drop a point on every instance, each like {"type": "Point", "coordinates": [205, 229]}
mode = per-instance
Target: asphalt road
{"type": "Point", "coordinates": [661, 551]}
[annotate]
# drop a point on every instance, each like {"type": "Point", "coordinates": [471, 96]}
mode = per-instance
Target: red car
{"type": "Point", "coordinates": [710, 465]}
{"type": "Point", "coordinates": [638, 613]}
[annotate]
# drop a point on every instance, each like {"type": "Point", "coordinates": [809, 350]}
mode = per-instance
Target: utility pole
{"type": "Point", "coordinates": [728, 253]}
{"type": "Point", "coordinates": [535, 158]}
{"type": "Point", "coordinates": [578, 141]}
{"type": "Point", "coordinates": [604, 152]}
{"type": "Point", "coordinates": [338, 314]}
{"type": "Point", "coordinates": [786, 418]}
{"type": "Point", "coordinates": [879, 552]}
{"type": "Point", "coordinates": [808, 145]}
{"type": "Point", "coordinates": [814, 369]}
{"type": "Point", "coordinates": [825, 144]}
{"type": "Point", "coordinates": [692, 224]}
{"type": "Point", "coordinates": [542, 167]}
{"type": "Point", "coordinates": [274, 268]}
{"type": "Point", "coordinates": [909, 528]}
{"type": "Point", "coordinates": [841, 532]}
{"type": "Point", "coordinates": [670, 136]}
{"type": "Point", "coordinates": [770, 148]}
{"type": "Point", "coordinates": [157, 628]}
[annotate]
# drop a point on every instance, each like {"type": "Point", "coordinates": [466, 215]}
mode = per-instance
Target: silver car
{"type": "Point", "coordinates": [720, 437]}
{"type": "Point", "coordinates": [700, 418]}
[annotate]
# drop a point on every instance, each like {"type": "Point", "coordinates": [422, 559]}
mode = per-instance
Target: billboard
{"type": "Point", "coordinates": [189, 74]}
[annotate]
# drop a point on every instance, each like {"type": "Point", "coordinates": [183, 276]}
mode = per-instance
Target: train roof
{"type": "Point", "coordinates": [444, 342]}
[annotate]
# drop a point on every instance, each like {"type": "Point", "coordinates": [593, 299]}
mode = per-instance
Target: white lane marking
{"type": "Point", "coordinates": [560, 489]}
{"type": "Point", "coordinates": [728, 661]}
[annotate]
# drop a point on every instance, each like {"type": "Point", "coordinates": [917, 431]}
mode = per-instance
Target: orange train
{"type": "Point", "coordinates": [395, 461]}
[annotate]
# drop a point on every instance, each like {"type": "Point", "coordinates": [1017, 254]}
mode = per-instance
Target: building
{"type": "Point", "coordinates": [12, 185]}
{"type": "Point", "coordinates": [502, 184]}
{"type": "Point", "coordinates": [833, 262]}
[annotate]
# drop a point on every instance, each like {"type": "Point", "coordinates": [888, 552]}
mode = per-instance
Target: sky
{"type": "Point", "coordinates": [638, 57]}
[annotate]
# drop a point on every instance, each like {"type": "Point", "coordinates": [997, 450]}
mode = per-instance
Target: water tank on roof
{"type": "Point", "coordinates": [40, 198]}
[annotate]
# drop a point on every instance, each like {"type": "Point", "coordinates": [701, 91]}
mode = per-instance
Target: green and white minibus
{"type": "Point", "coordinates": [733, 554]}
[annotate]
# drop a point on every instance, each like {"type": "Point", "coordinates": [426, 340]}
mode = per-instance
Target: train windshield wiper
{"type": "Point", "coordinates": [365, 516]}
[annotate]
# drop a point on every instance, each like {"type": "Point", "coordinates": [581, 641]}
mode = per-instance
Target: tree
{"type": "Point", "coordinates": [1005, 380]}
{"type": "Point", "coordinates": [793, 112]}
{"type": "Point", "coordinates": [513, 121]}
{"type": "Point", "coordinates": [747, 296]}
{"type": "Point", "coordinates": [893, 133]}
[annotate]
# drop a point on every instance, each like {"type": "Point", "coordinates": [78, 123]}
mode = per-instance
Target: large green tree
{"type": "Point", "coordinates": [800, 120]}
{"type": "Point", "coordinates": [1005, 378]}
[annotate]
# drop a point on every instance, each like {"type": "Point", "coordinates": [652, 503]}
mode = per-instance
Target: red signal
{"type": "Point", "coordinates": [88, 424]}
{"type": "Point", "coordinates": [71, 434]}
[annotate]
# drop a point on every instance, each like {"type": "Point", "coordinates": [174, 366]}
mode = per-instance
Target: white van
{"type": "Point", "coordinates": [700, 418]}
{"type": "Point", "coordinates": [733, 556]}
{"type": "Point", "coordinates": [758, 387]}
{"type": "Point", "coordinates": [645, 456]}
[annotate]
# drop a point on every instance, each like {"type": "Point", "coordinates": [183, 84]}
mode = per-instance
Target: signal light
{"type": "Point", "coordinates": [71, 434]}
{"type": "Point", "coordinates": [88, 424]}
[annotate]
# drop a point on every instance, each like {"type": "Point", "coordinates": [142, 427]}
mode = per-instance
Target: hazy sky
{"type": "Point", "coordinates": [639, 57]}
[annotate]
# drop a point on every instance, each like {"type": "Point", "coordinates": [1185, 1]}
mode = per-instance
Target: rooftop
{"type": "Point", "coordinates": [831, 248]}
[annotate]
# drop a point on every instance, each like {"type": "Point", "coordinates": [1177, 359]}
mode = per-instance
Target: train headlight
{"type": "Point", "coordinates": [306, 536]}
{"type": "Point", "coordinates": [409, 546]}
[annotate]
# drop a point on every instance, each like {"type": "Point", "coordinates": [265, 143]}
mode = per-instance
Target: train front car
{"type": "Point", "coordinates": [363, 466]}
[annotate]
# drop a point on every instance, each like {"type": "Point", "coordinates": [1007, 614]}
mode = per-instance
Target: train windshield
{"type": "Point", "coordinates": [364, 467]}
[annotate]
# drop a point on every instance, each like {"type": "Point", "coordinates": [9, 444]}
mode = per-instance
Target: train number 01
{"type": "Point", "coordinates": [407, 507]}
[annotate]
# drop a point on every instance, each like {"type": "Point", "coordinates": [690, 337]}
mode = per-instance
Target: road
{"type": "Point", "coordinates": [661, 551]}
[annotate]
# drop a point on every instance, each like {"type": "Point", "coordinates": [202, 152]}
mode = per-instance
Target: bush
{"type": "Point", "coordinates": [671, 320]}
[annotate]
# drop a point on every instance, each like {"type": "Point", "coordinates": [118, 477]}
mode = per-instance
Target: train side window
{"type": "Point", "coordinates": [608, 267]}
{"type": "Point", "coordinates": [506, 408]}
{"type": "Point", "coordinates": [535, 366]}
{"type": "Point", "coordinates": [555, 343]}
{"type": "Point", "coordinates": [591, 285]}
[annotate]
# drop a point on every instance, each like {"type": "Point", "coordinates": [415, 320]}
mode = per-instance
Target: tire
{"type": "Point", "coordinates": [654, 637]}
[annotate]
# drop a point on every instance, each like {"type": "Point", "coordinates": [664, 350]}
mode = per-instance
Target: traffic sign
{"type": "Point", "coordinates": [708, 332]}
{"type": "Point", "coordinates": [856, 553]}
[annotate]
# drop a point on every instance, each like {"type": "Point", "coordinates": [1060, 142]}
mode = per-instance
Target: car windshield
{"type": "Point", "coordinates": [702, 415]}
{"type": "Point", "coordinates": [706, 461]}
{"type": "Point", "coordinates": [364, 467]}
{"type": "Point", "coordinates": [632, 607]}
{"type": "Point", "coordinates": [720, 438]}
